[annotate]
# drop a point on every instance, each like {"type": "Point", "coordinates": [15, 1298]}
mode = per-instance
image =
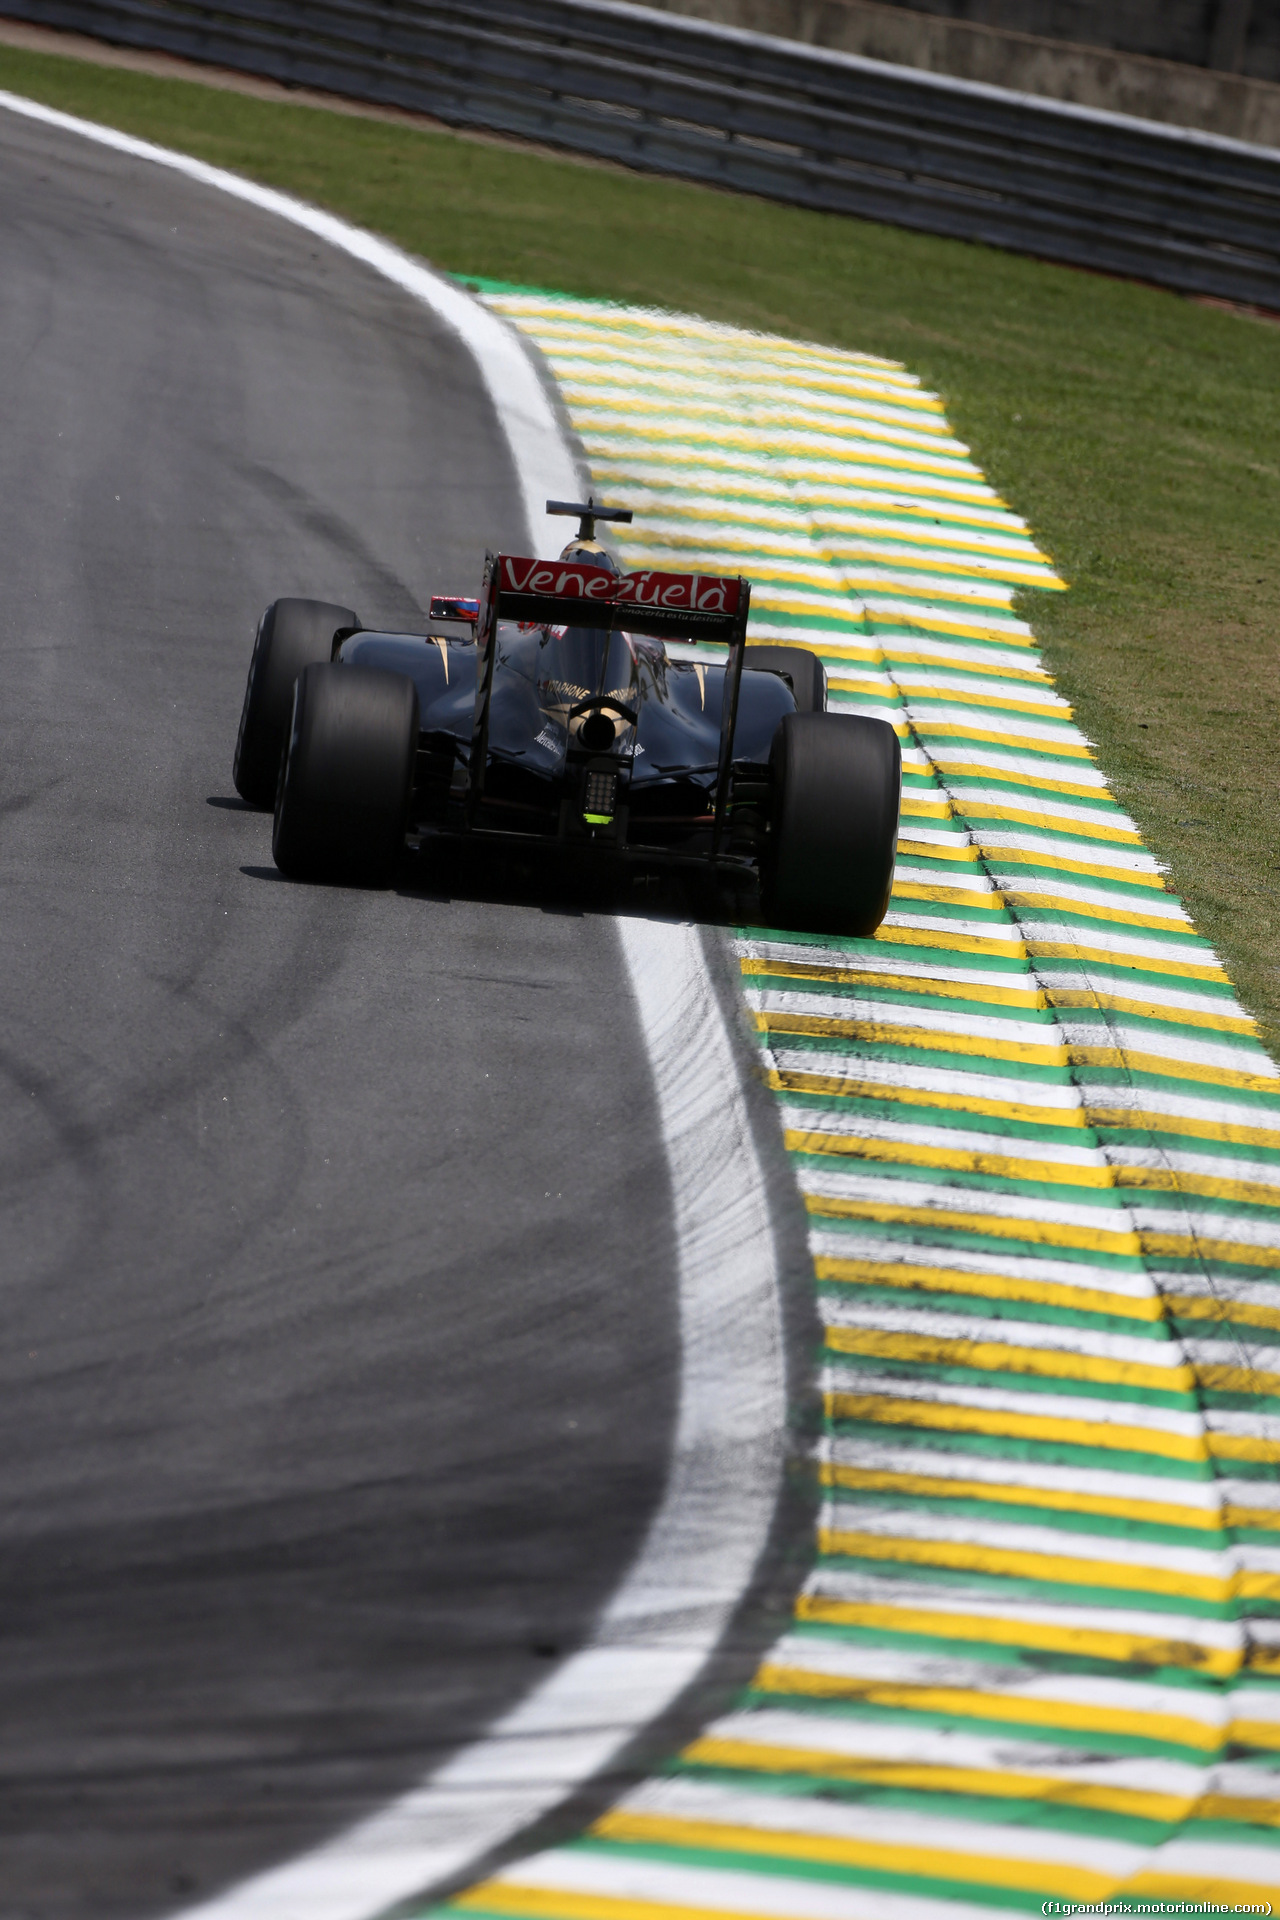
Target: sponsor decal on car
{"type": "Point", "coordinates": [448, 606]}
{"type": "Point", "coordinates": [697, 592]}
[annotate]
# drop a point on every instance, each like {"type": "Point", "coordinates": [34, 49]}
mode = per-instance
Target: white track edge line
{"type": "Point", "coordinates": [672, 1608]}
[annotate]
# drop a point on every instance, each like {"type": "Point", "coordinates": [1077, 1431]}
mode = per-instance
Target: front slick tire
{"type": "Point", "coordinates": [347, 777]}
{"type": "Point", "coordinates": [833, 832]}
{"type": "Point", "coordinates": [291, 635]}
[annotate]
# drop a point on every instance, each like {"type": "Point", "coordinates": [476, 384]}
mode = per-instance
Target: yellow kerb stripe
{"type": "Point", "coordinates": [887, 1033]}
{"type": "Point", "coordinates": [1190, 1887]}
{"type": "Point", "coordinates": [1053, 823]}
{"type": "Point", "coordinates": [1132, 962]}
{"type": "Point", "coordinates": [1034, 1233]}
{"type": "Point", "coordinates": [998, 943]}
{"type": "Point", "coordinates": [1090, 1641]}
{"type": "Point", "coordinates": [1007, 737]}
{"type": "Point", "coordinates": [957, 852]}
{"type": "Point", "coordinates": [1196, 1246]}
{"type": "Point", "coordinates": [1035, 857]}
{"type": "Point", "coordinates": [1100, 1115]}
{"type": "Point", "coordinates": [790, 1081]}
{"type": "Point", "coordinates": [1258, 1519]}
{"type": "Point", "coordinates": [949, 1417]}
{"type": "Point", "coordinates": [1243, 1446]}
{"type": "Point", "coordinates": [923, 1862]}
{"type": "Point", "coordinates": [831, 649]}
{"type": "Point", "coordinates": [926, 1486]}
{"type": "Point", "coordinates": [1002, 1357]}
{"type": "Point", "coordinates": [986, 697]}
{"type": "Point", "coordinates": [954, 1159]}
{"type": "Point", "coordinates": [545, 1903]}
{"type": "Point", "coordinates": [1061, 1568]}
{"type": "Point", "coordinates": [1264, 1734]}
{"type": "Point", "coordinates": [1130, 1060]}
{"type": "Point", "coordinates": [740, 1755]}
{"type": "Point", "coordinates": [982, 899]}
{"type": "Point", "coordinates": [921, 620]}
{"type": "Point", "coordinates": [1247, 1813]}
{"type": "Point", "coordinates": [1204, 1306]}
{"type": "Point", "coordinates": [1172, 1180]}
{"type": "Point", "coordinates": [873, 690]}
{"type": "Point", "coordinates": [926, 806]}
{"type": "Point", "coordinates": [1259, 1586]}
{"type": "Point", "coordinates": [1042, 899]}
{"type": "Point", "coordinates": [1054, 1293]}
{"type": "Point", "coordinates": [1216, 1379]}
{"type": "Point", "coordinates": [1014, 776]}
{"type": "Point", "coordinates": [1180, 1016]}
{"type": "Point", "coordinates": [996, 1704]}
{"type": "Point", "coordinates": [945, 987]}
{"type": "Point", "coordinates": [895, 656]}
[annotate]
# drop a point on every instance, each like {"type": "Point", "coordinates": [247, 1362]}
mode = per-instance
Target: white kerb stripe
{"type": "Point", "coordinates": [703, 1545]}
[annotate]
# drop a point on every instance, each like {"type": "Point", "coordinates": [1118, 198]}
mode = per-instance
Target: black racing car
{"type": "Point", "coordinates": [581, 709]}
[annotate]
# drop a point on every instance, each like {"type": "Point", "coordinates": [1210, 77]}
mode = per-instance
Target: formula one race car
{"type": "Point", "coordinates": [579, 709]}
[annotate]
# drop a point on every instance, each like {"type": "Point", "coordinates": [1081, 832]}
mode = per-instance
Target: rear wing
{"type": "Point", "coordinates": [668, 606]}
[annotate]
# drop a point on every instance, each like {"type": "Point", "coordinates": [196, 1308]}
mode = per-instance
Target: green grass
{"type": "Point", "coordinates": [1138, 432]}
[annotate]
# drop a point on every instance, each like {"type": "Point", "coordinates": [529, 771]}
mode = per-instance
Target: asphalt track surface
{"type": "Point", "coordinates": [339, 1346]}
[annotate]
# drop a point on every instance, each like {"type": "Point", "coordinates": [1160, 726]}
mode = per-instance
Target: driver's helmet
{"type": "Point", "coordinates": [590, 553]}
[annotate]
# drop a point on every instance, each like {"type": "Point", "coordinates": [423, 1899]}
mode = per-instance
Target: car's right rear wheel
{"type": "Point", "coordinates": [804, 670]}
{"type": "Point", "coordinates": [347, 777]}
{"type": "Point", "coordinates": [836, 786]}
{"type": "Point", "coordinates": [292, 634]}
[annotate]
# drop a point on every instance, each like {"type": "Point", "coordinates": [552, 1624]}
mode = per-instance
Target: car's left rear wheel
{"type": "Point", "coordinates": [291, 635]}
{"type": "Point", "coordinates": [347, 777]}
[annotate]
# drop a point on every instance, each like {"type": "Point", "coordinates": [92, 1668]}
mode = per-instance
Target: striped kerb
{"type": "Point", "coordinates": [1038, 1658]}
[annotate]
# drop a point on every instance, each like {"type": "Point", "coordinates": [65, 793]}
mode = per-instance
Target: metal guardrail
{"type": "Point", "coordinates": [817, 129]}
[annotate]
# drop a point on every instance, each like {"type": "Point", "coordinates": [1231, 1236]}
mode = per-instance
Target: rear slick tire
{"type": "Point", "coordinates": [292, 634]}
{"type": "Point", "coordinates": [836, 782]}
{"type": "Point", "coordinates": [347, 777]}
